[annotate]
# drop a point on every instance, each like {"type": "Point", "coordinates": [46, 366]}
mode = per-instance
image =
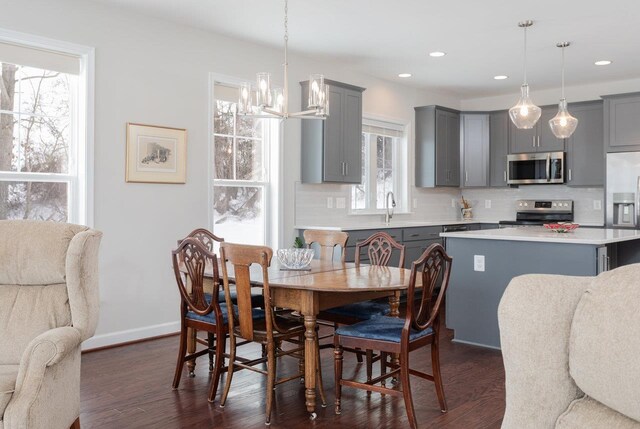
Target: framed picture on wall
{"type": "Point", "coordinates": [156, 154]}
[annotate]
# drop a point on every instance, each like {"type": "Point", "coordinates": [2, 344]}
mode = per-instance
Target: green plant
{"type": "Point", "coordinates": [297, 243]}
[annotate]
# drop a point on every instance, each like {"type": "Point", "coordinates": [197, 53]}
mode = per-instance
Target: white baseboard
{"type": "Point", "coordinates": [120, 337]}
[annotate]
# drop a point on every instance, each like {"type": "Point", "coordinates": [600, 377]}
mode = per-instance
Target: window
{"type": "Point", "coordinates": [41, 134]}
{"type": "Point", "coordinates": [241, 171]}
{"type": "Point", "coordinates": [383, 171]}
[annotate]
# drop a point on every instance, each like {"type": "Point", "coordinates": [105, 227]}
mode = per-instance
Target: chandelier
{"type": "Point", "coordinates": [273, 103]}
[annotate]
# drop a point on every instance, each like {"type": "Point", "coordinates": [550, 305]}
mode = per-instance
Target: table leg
{"type": "Point", "coordinates": [310, 363]}
{"type": "Point", "coordinates": [394, 304]}
{"type": "Point", "coordinates": [191, 348]}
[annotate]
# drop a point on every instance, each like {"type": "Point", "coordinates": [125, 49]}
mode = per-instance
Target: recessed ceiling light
{"type": "Point", "coordinates": [404, 75]}
{"type": "Point", "coordinates": [602, 62]}
{"type": "Point", "coordinates": [437, 54]}
{"type": "Point", "coordinates": [501, 77]}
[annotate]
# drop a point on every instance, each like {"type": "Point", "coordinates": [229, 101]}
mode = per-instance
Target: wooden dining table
{"type": "Point", "coordinates": [326, 284]}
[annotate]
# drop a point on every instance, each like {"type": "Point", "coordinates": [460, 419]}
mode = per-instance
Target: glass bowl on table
{"type": "Point", "coordinates": [295, 258]}
{"type": "Point", "coordinates": [561, 227]}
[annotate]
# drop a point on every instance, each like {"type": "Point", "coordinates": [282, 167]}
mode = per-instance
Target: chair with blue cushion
{"type": "Point", "coordinates": [200, 310]}
{"type": "Point", "coordinates": [395, 336]}
{"type": "Point", "coordinates": [379, 249]}
{"type": "Point", "coordinates": [212, 242]}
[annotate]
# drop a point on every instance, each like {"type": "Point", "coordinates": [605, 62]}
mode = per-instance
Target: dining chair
{"type": "Point", "coordinates": [380, 247]}
{"type": "Point", "coordinates": [199, 310]}
{"type": "Point", "coordinates": [327, 240]}
{"type": "Point", "coordinates": [211, 242]}
{"type": "Point", "coordinates": [270, 331]}
{"type": "Point", "coordinates": [391, 335]}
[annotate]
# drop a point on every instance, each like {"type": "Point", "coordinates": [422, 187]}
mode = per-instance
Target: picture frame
{"type": "Point", "coordinates": [155, 154]}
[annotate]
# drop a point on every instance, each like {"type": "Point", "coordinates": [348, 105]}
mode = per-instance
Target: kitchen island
{"type": "Point", "coordinates": [485, 261]}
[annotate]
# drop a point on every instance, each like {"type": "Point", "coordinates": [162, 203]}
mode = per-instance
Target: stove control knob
{"type": "Point", "coordinates": [566, 205]}
{"type": "Point", "coordinates": [520, 204]}
{"type": "Point", "coordinates": [555, 204]}
{"type": "Point", "coordinates": [526, 204]}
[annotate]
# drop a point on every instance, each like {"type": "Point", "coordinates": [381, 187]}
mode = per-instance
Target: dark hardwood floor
{"type": "Point", "coordinates": [130, 387]}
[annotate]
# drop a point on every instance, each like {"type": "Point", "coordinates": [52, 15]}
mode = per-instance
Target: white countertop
{"type": "Point", "coordinates": [393, 224]}
{"type": "Point", "coordinates": [590, 236]}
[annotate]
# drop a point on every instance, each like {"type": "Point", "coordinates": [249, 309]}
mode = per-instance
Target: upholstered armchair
{"type": "Point", "coordinates": [48, 306]}
{"type": "Point", "coordinates": [571, 350]}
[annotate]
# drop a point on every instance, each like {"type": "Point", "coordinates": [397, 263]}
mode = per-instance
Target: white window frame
{"type": "Point", "coordinates": [272, 154]}
{"type": "Point", "coordinates": [399, 167]}
{"type": "Point", "coordinates": [80, 200]}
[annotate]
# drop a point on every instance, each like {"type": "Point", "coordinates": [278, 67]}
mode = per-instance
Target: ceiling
{"type": "Point", "coordinates": [386, 37]}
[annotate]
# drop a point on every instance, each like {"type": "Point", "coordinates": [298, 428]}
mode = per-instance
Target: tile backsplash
{"type": "Point", "coordinates": [435, 204]}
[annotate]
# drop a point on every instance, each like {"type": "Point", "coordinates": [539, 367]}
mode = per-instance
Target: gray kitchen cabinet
{"type": "Point", "coordinates": [437, 147]}
{"type": "Point", "coordinates": [621, 119]}
{"type": "Point", "coordinates": [475, 149]}
{"type": "Point", "coordinates": [585, 147]}
{"type": "Point", "coordinates": [415, 249]}
{"type": "Point", "coordinates": [499, 148]}
{"type": "Point", "coordinates": [537, 139]}
{"type": "Point", "coordinates": [331, 149]}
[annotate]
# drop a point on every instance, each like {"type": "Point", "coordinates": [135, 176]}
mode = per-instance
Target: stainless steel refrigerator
{"type": "Point", "coordinates": [623, 190]}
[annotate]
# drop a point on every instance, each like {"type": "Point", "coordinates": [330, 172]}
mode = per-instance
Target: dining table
{"type": "Point", "coordinates": [321, 286]}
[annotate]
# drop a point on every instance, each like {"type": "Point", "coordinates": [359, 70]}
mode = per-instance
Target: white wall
{"type": "Point", "coordinates": [156, 72]}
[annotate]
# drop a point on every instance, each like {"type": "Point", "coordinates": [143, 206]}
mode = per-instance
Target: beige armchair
{"type": "Point", "coordinates": [48, 306]}
{"type": "Point", "coordinates": [571, 350]}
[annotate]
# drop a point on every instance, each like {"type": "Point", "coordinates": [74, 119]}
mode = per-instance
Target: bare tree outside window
{"type": "Point", "coordinates": [35, 136]}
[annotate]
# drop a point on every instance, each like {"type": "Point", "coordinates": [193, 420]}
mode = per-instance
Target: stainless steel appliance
{"type": "Point", "coordinates": [536, 213]}
{"type": "Point", "coordinates": [535, 168]}
{"type": "Point", "coordinates": [623, 190]}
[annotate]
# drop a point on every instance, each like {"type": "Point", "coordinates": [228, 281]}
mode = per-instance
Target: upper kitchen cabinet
{"type": "Point", "coordinates": [475, 149]}
{"type": "Point", "coordinates": [332, 149]}
{"type": "Point", "coordinates": [537, 139]}
{"type": "Point", "coordinates": [621, 124]}
{"type": "Point", "coordinates": [585, 147]}
{"type": "Point", "coordinates": [437, 147]}
{"type": "Point", "coordinates": [499, 148]}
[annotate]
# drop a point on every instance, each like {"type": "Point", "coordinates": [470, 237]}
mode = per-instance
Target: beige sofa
{"type": "Point", "coordinates": [571, 349]}
{"type": "Point", "coordinates": [48, 306]}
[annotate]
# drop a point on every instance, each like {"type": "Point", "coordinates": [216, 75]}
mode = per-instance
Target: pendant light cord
{"type": "Point", "coordinates": [285, 92]}
{"type": "Point", "coordinates": [563, 72]}
{"type": "Point", "coordinates": [525, 56]}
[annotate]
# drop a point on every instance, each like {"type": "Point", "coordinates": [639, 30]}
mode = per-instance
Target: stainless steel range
{"type": "Point", "coordinates": [535, 213]}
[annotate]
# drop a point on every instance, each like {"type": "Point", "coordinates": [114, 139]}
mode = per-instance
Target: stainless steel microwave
{"type": "Point", "coordinates": [535, 168]}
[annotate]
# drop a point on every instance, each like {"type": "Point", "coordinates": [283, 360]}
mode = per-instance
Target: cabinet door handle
{"type": "Point", "coordinates": [569, 175]}
{"type": "Point", "coordinates": [346, 168]}
{"type": "Point", "coordinates": [504, 174]}
{"type": "Point", "coordinates": [533, 141]}
{"type": "Point", "coordinates": [343, 168]}
{"type": "Point", "coordinates": [538, 141]}
{"type": "Point", "coordinates": [466, 176]}
{"type": "Point", "coordinates": [414, 235]}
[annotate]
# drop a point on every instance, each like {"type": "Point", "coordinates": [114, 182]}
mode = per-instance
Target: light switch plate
{"type": "Point", "coordinates": [487, 204]}
{"type": "Point", "coordinates": [329, 202]}
{"type": "Point", "coordinates": [597, 204]}
{"type": "Point", "coordinates": [341, 202]}
{"type": "Point", "coordinates": [478, 263]}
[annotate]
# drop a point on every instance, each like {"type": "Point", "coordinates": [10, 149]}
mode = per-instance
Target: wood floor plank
{"type": "Point", "coordinates": [130, 387]}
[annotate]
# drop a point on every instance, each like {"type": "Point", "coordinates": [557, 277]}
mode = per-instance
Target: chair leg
{"type": "Point", "coordinates": [369, 364]}
{"type": "Point", "coordinates": [406, 390]}
{"type": "Point", "coordinates": [182, 350]}
{"type": "Point", "coordinates": [75, 424]}
{"type": "Point", "coordinates": [211, 340]}
{"type": "Point", "coordinates": [217, 369]}
{"type": "Point", "coordinates": [437, 376]}
{"type": "Point", "coordinates": [358, 354]}
{"type": "Point", "coordinates": [319, 375]}
{"type": "Point", "coordinates": [271, 379]}
{"type": "Point", "coordinates": [192, 344]}
{"type": "Point", "coordinates": [337, 366]}
{"type": "Point", "coordinates": [232, 359]}
{"type": "Point", "coordinates": [383, 367]}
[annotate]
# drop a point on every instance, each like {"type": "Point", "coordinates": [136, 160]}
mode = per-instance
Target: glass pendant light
{"type": "Point", "coordinates": [525, 114]}
{"type": "Point", "coordinates": [563, 124]}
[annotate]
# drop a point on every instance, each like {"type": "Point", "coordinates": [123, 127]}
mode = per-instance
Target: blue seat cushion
{"type": "Point", "coordinates": [257, 300]}
{"type": "Point", "coordinates": [256, 313]}
{"type": "Point", "coordinates": [361, 310]}
{"type": "Point", "coordinates": [383, 328]}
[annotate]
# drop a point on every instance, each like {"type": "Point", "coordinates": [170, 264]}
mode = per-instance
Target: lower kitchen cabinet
{"type": "Point", "coordinates": [415, 249]}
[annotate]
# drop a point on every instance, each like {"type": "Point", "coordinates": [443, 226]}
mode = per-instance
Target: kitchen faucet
{"type": "Point", "coordinates": [388, 216]}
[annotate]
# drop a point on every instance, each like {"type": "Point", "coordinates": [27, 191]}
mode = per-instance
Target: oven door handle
{"type": "Point", "coordinates": [548, 167]}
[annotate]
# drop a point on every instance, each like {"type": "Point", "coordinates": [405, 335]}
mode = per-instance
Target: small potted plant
{"type": "Point", "coordinates": [465, 207]}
